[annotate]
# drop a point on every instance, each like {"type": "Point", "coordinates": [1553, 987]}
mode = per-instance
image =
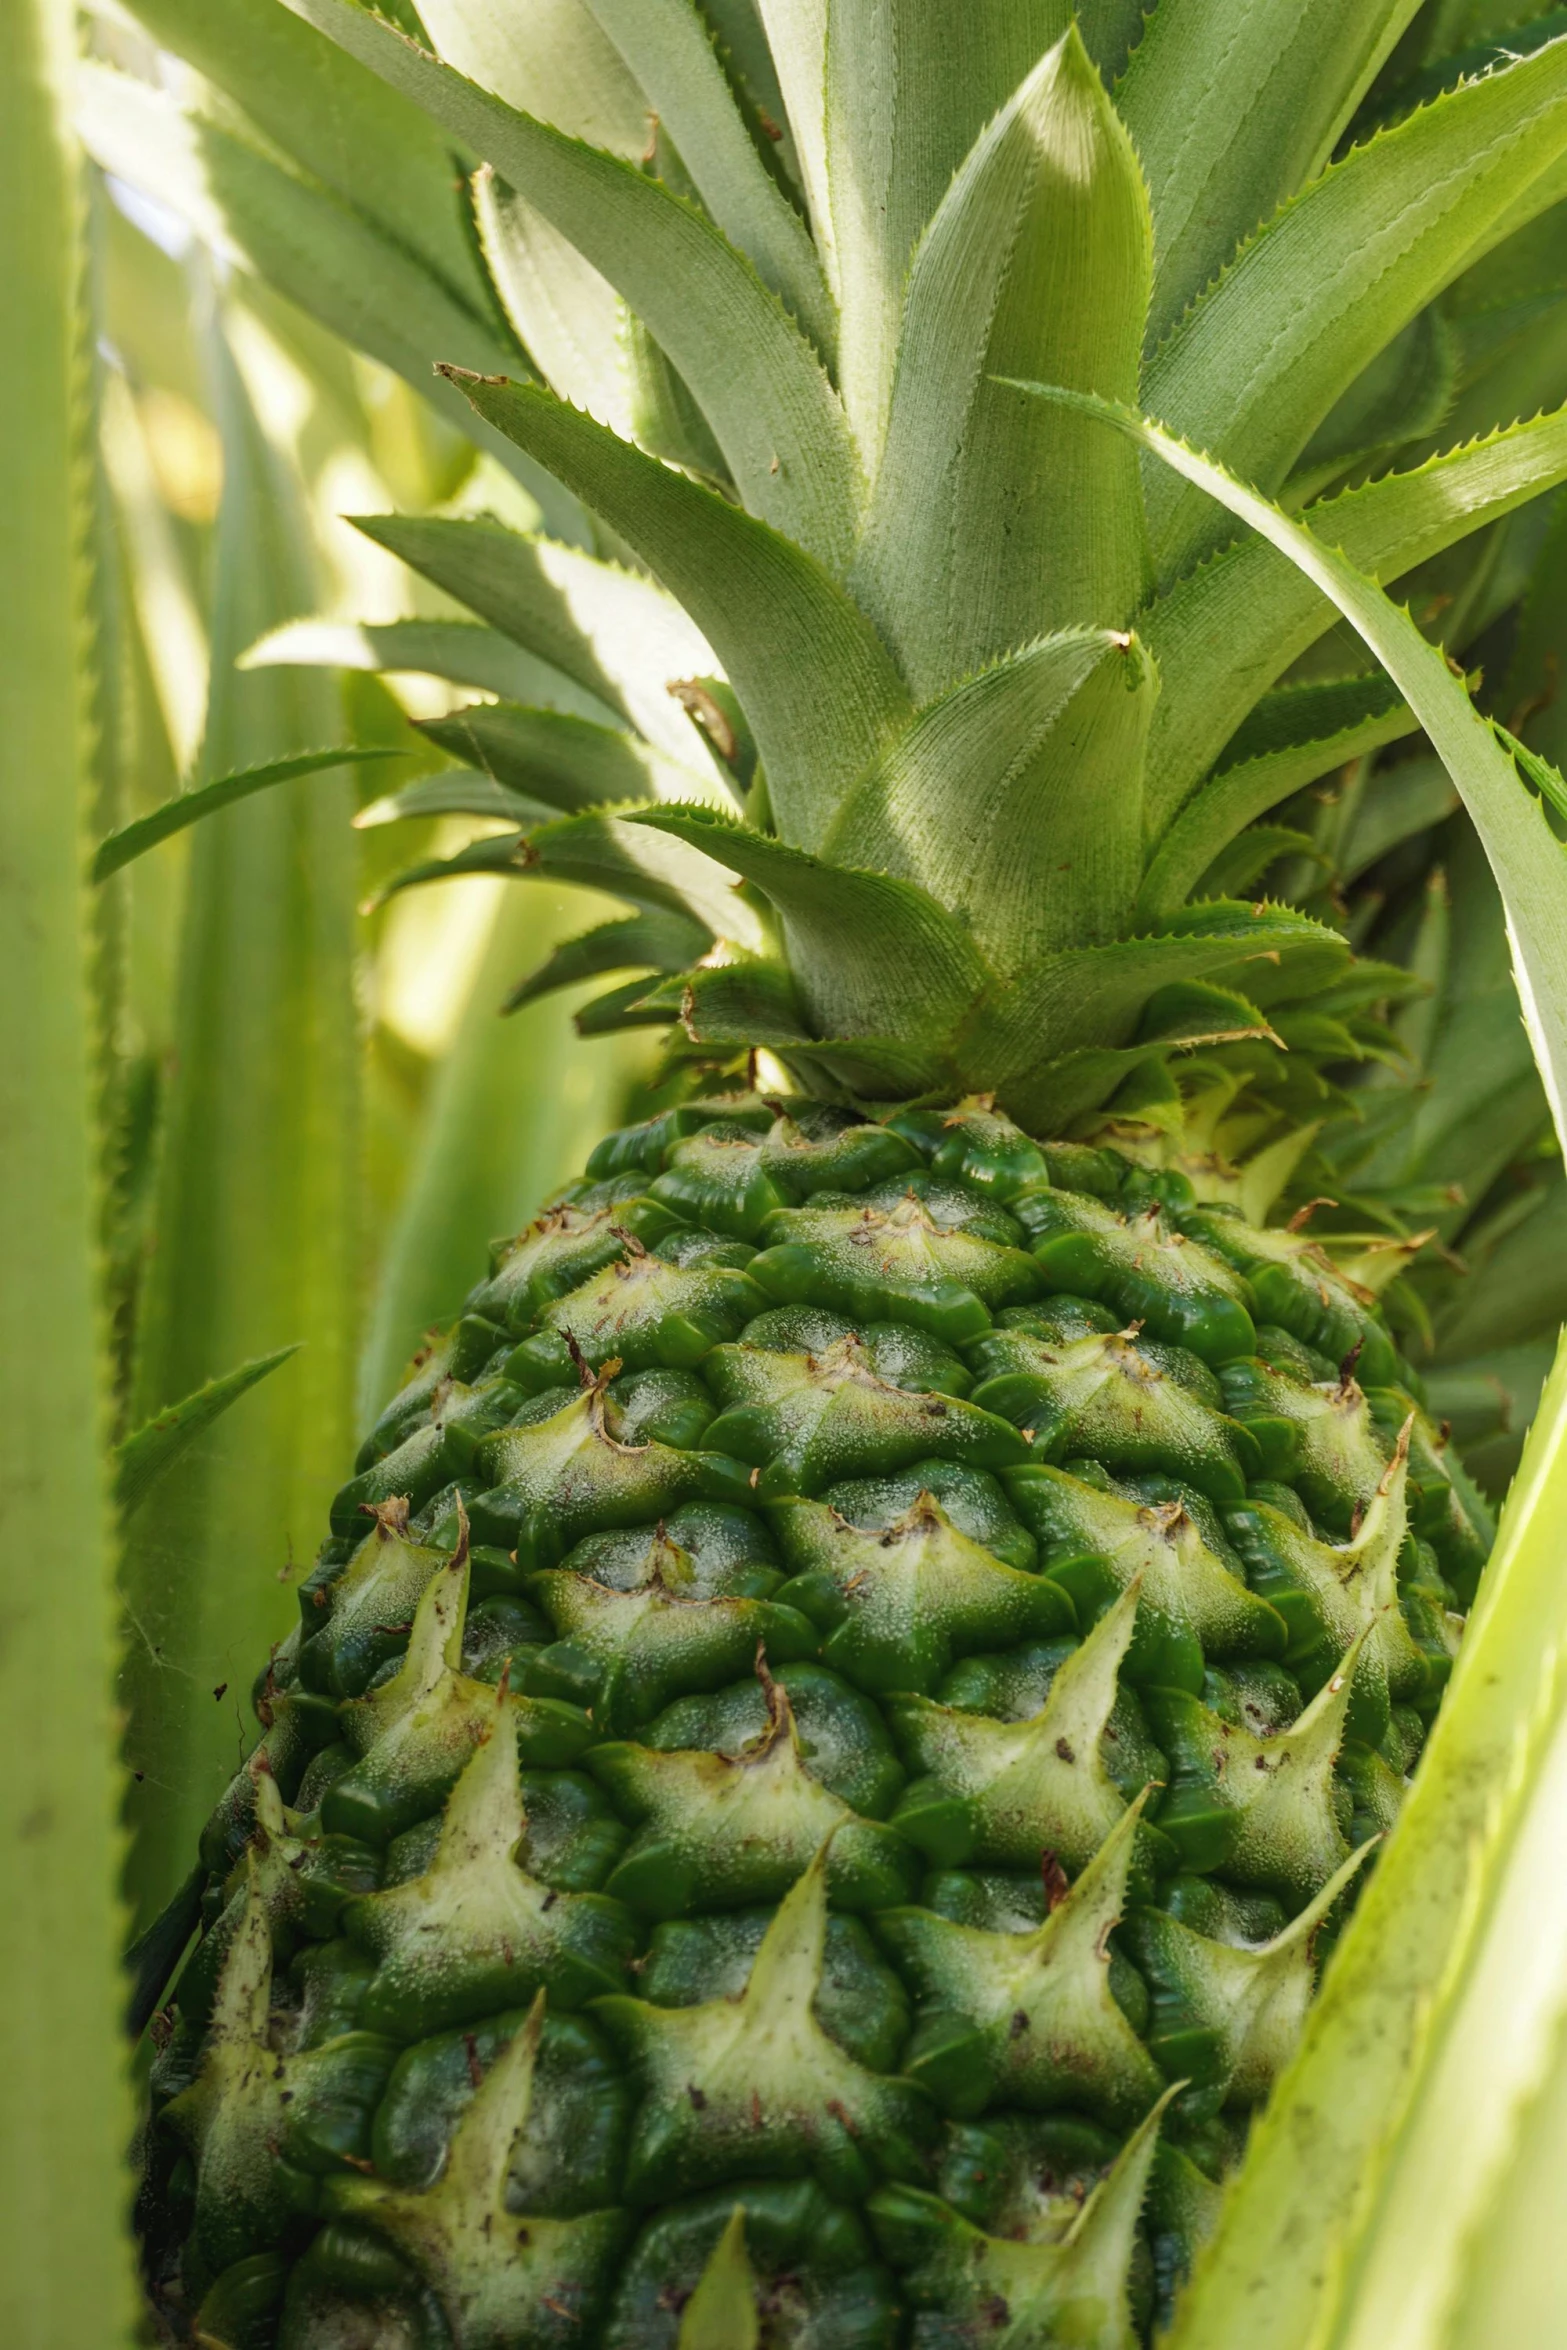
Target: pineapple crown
{"type": "Point", "coordinates": [921, 741]}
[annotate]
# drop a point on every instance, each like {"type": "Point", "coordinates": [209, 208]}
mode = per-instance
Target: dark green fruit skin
{"type": "Point", "coordinates": [974, 1528]}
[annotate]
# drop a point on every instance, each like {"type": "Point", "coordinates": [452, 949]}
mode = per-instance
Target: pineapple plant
{"type": "Point", "coordinates": [849, 1692]}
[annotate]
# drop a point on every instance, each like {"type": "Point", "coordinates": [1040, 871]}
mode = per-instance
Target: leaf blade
{"type": "Point", "coordinates": [151, 1450]}
{"type": "Point", "coordinates": [205, 799]}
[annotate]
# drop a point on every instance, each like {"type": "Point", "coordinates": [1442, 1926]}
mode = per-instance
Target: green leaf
{"type": "Point", "coordinates": [258, 1218]}
{"type": "Point", "coordinates": [1547, 780]}
{"type": "Point", "coordinates": [987, 529]}
{"type": "Point", "coordinates": [756, 379]}
{"type": "Point", "coordinates": [868, 952]}
{"type": "Point", "coordinates": [570, 321]}
{"type": "Point", "coordinates": [67, 2267]}
{"type": "Point", "coordinates": [1234, 108]}
{"type": "Point", "coordinates": [612, 854]}
{"type": "Point", "coordinates": [656, 940]}
{"type": "Point", "coordinates": [1350, 2222]}
{"type": "Point", "coordinates": [1320, 728]}
{"type": "Point", "coordinates": [1225, 632]}
{"type": "Point", "coordinates": [454, 791]}
{"type": "Point", "coordinates": [556, 63]}
{"type": "Point", "coordinates": [815, 680]}
{"type": "Point", "coordinates": [1093, 997]}
{"type": "Point", "coordinates": [205, 799]}
{"type": "Point", "coordinates": [1015, 798]}
{"type": "Point", "coordinates": [565, 761]}
{"type": "Point", "coordinates": [669, 49]}
{"type": "Point", "coordinates": [297, 236]}
{"type": "Point", "coordinates": [453, 649]}
{"type": "Point", "coordinates": [898, 95]}
{"type": "Point", "coordinates": [1413, 797]}
{"type": "Point", "coordinates": [1260, 358]}
{"type": "Point", "coordinates": [1529, 862]}
{"type": "Point", "coordinates": [381, 155]}
{"type": "Point", "coordinates": [620, 1008]}
{"type": "Point", "coordinates": [618, 635]}
{"type": "Point", "coordinates": [154, 1448]}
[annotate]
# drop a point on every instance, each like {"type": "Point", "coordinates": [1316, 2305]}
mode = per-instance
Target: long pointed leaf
{"type": "Point", "coordinates": [987, 530]}
{"type": "Point", "coordinates": [1224, 633]}
{"type": "Point", "coordinates": [152, 1450]}
{"type": "Point", "coordinates": [656, 940]}
{"type": "Point", "coordinates": [756, 379]}
{"type": "Point", "coordinates": [668, 47]}
{"type": "Point", "coordinates": [66, 2264]}
{"type": "Point", "coordinates": [902, 91]}
{"type": "Point", "coordinates": [454, 649]}
{"type": "Point", "coordinates": [868, 951]}
{"type": "Point", "coordinates": [1529, 863]}
{"type": "Point", "coordinates": [205, 799]}
{"type": "Point", "coordinates": [620, 636]}
{"type": "Point", "coordinates": [383, 156]}
{"type": "Point", "coordinates": [564, 761]}
{"type": "Point", "coordinates": [1335, 724]}
{"type": "Point", "coordinates": [1235, 107]}
{"type": "Point", "coordinates": [816, 682]}
{"type": "Point", "coordinates": [1259, 359]}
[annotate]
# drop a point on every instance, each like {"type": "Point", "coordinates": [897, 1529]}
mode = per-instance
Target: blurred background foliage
{"type": "Point", "coordinates": [317, 1114]}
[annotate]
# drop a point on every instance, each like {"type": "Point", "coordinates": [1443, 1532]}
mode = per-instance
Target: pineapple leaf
{"type": "Point", "coordinates": [152, 1450]}
{"type": "Point", "coordinates": [1547, 779]}
{"type": "Point", "coordinates": [565, 761]}
{"type": "Point", "coordinates": [1529, 862]}
{"type": "Point", "coordinates": [619, 636]}
{"type": "Point", "coordinates": [557, 63]}
{"type": "Point", "coordinates": [655, 939]}
{"type": "Point", "coordinates": [815, 680]}
{"type": "Point", "coordinates": [205, 799]}
{"type": "Point", "coordinates": [603, 851]}
{"type": "Point", "coordinates": [868, 949]}
{"type": "Point", "coordinates": [903, 91]}
{"type": "Point", "coordinates": [669, 49]}
{"type": "Point", "coordinates": [1260, 358]}
{"type": "Point", "coordinates": [1330, 724]}
{"type": "Point", "coordinates": [756, 379]}
{"type": "Point", "coordinates": [1232, 110]}
{"type": "Point", "coordinates": [457, 650]}
{"type": "Point", "coordinates": [382, 156]}
{"type": "Point", "coordinates": [1225, 632]}
{"type": "Point", "coordinates": [1013, 798]}
{"type": "Point", "coordinates": [66, 2258]}
{"type": "Point", "coordinates": [985, 530]}
{"type": "Point", "coordinates": [456, 791]}
{"type": "Point", "coordinates": [299, 237]}
{"type": "Point", "coordinates": [572, 324]}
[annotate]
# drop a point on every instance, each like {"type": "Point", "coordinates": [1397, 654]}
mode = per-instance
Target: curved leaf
{"type": "Point", "coordinates": [656, 940]}
{"type": "Point", "coordinates": [1259, 359]}
{"type": "Point", "coordinates": [205, 799]}
{"type": "Point", "coordinates": [618, 635]}
{"type": "Point", "coordinates": [1329, 725]}
{"type": "Point", "coordinates": [457, 650]}
{"type": "Point", "coordinates": [1529, 862]}
{"type": "Point", "coordinates": [1225, 632]}
{"type": "Point", "coordinates": [756, 379]}
{"type": "Point", "coordinates": [867, 951]}
{"type": "Point", "coordinates": [153, 1449]}
{"type": "Point", "coordinates": [986, 530]}
{"type": "Point", "coordinates": [669, 49]}
{"type": "Point", "coordinates": [563, 760]}
{"type": "Point", "coordinates": [816, 681]}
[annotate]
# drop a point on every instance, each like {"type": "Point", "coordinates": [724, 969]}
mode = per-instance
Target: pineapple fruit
{"type": "Point", "coordinates": [850, 1689]}
{"type": "Point", "coordinates": [844, 1691]}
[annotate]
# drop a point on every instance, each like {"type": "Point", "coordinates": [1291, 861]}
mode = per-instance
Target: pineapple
{"type": "Point", "coordinates": [851, 1688]}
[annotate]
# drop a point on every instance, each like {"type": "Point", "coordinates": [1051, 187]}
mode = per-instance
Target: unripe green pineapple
{"type": "Point", "coordinates": [846, 1690]}
{"type": "Point", "coordinates": [850, 1690]}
